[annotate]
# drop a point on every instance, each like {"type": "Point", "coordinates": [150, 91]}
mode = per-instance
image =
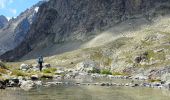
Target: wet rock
{"type": "Point", "coordinates": [47, 76]}
{"type": "Point", "coordinates": [34, 77]}
{"type": "Point", "coordinates": [57, 77]}
{"type": "Point", "coordinates": [102, 84]}
{"type": "Point", "coordinates": [27, 85]}
{"type": "Point", "coordinates": [2, 85]}
{"type": "Point", "coordinates": [13, 82]}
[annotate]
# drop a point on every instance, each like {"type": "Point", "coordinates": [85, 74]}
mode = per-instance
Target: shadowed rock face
{"type": "Point", "coordinates": [66, 20]}
{"type": "Point", "coordinates": [3, 21]}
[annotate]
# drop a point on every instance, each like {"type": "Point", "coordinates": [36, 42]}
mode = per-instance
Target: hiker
{"type": "Point", "coordinates": [40, 62]}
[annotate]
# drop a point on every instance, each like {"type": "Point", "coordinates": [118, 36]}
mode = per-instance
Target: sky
{"type": "Point", "coordinates": [12, 8]}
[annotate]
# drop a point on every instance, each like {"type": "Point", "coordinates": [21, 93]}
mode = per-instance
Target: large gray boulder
{"type": "Point", "coordinates": [24, 67]}
{"type": "Point", "coordinates": [86, 66]}
{"type": "Point", "coordinates": [27, 85]}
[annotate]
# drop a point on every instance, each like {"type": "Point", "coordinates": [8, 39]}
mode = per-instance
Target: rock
{"type": "Point", "coordinates": [27, 85]}
{"type": "Point", "coordinates": [87, 66]}
{"type": "Point", "coordinates": [134, 85]}
{"type": "Point", "coordinates": [59, 72]}
{"type": "Point", "coordinates": [140, 77]}
{"type": "Point", "coordinates": [2, 85]}
{"type": "Point", "coordinates": [102, 84]}
{"type": "Point", "coordinates": [34, 77]}
{"type": "Point", "coordinates": [165, 77]}
{"type": "Point", "coordinates": [13, 82]}
{"type": "Point", "coordinates": [47, 76]}
{"type": "Point", "coordinates": [141, 58]}
{"type": "Point", "coordinates": [57, 77]}
{"type": "Point", "coordinates": [167, 85]}
{"type": "Point", "coordinates": [38, 83]}
{"type": "Point", "coordinates": [46, 65]}
{"type": "Point", "coordinates": [24, 67]}
{"type": "Point", "coordinates": [158, 50]}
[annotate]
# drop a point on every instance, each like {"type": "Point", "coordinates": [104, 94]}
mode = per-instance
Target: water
{"type": "Point", "coordinates": [85, 93]}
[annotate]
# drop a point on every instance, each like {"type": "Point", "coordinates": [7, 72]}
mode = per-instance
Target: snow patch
{"type": "Point", "coordinates": [36, 9]}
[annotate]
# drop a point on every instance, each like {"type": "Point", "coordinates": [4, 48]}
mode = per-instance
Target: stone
{"type": "Point", "coordinates": [86, 66]}
{"type": "Point", "coordinates": [34, 77]}
{"type": "Point", "coordinates": [27, 85]}
{"type": "Point", "coordinates": [24, 67]}
{"type": "Point", "coordinates": [140, 77]}
{"type": "Point", "coordinates": [46, 65]}
{"type": "Point", "coordinates": [13, 82]}
{"type": "Point", "coordinates": [2, 85]}
{"type": "Point", "coordinates": [59, 72]}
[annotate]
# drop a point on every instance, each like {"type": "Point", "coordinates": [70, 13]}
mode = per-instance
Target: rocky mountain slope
{"type": "Point", "coordinates": [16, 29]}
{"type": "Point", "coordinates": [73, 22]}
{"type": "Point", "coordinates": [3, 21]}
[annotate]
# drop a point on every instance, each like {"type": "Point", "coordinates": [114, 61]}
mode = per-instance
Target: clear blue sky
{"type": "Point", "coordinates": [12, 8]}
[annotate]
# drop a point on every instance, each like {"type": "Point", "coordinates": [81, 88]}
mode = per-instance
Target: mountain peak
{"type": "Point", "coordinates": [3, 21]}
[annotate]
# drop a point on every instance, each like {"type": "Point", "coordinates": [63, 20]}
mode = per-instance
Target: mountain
{"type": "Point", "coordinates": [71, 23]}
{"type": "Point", "coordinates": [3, 21]}
{"type": "Point", "coordinates": [16, 29]}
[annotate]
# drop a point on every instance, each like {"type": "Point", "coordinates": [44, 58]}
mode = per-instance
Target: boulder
{"type": "Point", "coordinates": [13, 82]}
{"type": "Point", "coordinates": [46, 65]}
{"type": "Point", "coordinates": [59, 72]}
{"type": "Point", "coordinates": [86, 66]}
{"type": "Point", "coordinates": [2, 85]}
{"type": "Point", "coordinates": [24, 67]}
{"type": "Point", "coordinates": [27, 85]}
{"type": "Point", "coordinates": [34, 77]}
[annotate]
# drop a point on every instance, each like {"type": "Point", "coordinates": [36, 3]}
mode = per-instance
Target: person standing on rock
{"type": "Point", "coordinates": [40, 62]}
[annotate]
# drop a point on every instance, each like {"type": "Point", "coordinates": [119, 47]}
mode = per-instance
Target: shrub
{"type": "Point", "coordinates": [106, 71]}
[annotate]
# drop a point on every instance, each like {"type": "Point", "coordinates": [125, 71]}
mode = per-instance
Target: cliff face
{"type": "Point", "coordinates": [3, 21]}
{"type": "Point", "coordinates": [67, 20]}
{"type": "Point", "coordinates": [13, 32]}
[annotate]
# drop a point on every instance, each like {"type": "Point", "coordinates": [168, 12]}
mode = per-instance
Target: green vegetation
{"type": "Point", "coordinates": [18, 73]}
{"type": "Point", "coordinates": [106, 71]}
{"type": "Point", "coordinates": [119, 73]}
{"type": "Point", "coordinates": [154, 80]}
{"type": "Point", "coordinates": [49, 70]}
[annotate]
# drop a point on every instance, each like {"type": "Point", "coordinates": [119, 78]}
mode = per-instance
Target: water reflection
{"type": "Point", "coordinates": [85, 93]}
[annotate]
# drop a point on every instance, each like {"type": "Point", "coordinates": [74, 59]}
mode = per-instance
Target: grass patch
{"type": "Point", "coordinates": [3, 71]}
{"type": "Point", "coordinates": [154, 80]}
{"type": "Point", "coordinates": [49, 70]}
{"type": "Point", "coordinates": [106, 71]}
{"type": "Point", "coordinates": [18, 73]}
{"type": "Point", "coordinates": [119, 73]}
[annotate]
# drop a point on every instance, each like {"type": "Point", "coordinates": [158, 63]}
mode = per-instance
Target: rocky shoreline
{"type": "Point", "coordinates": [82, 75]}
{"type": "Point", "coordinates": [31, 84]}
